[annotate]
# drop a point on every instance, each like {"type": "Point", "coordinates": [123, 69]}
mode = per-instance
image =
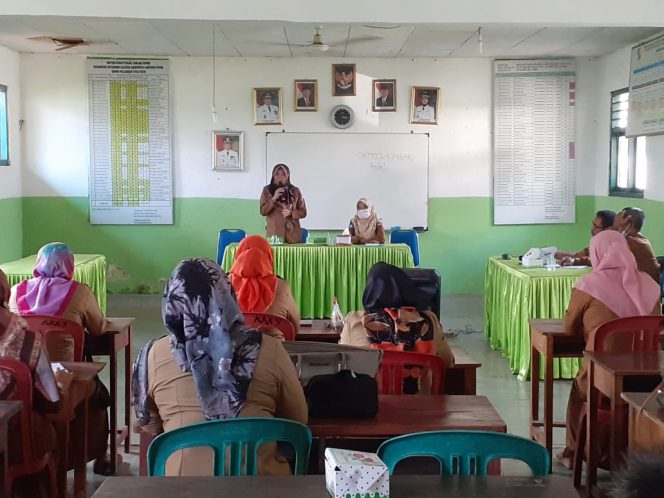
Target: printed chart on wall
{"type": "Point", "coordinates": [646, 89]}
{"type": "Point", "coordinates": [130, 144]}
{"type": "Point", "coordinates": [534, 141]}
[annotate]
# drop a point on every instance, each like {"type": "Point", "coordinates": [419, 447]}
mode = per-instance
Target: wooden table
{"type": "Point", "coordinates": [459, 379]}
{"type": "Point", "coordinates": [548, 340]}
{"type": "Point", "coordinates": [7, 410]}
{"type": "Point", "coordinates": [609, 374]}
{"type": "Point", "coordinates": [313, 486]}
{"type": "Point", "coordinates": [116, 337]}
{"type": "Point", "coordinates": [84, 373]}
{"type": "Point", "coordinates": [646, 427]}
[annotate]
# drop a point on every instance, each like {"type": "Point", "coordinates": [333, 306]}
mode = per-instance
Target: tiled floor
{"type": "Point", "coordinates": [463, 313]}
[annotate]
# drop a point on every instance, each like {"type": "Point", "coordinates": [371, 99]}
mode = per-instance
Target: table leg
{"type": "Point", "coordinates": [548, 401]}
{"type": "Point", "coordinates": [113, 360]}
{"type": "Point", "coordinates": [62, 438]}
{"type": "Point", "coordinates": [470, 381]}
{"type": "Point", "coordinates": [617, 430]}
{"type": "Point", "coordinates": [127, 358]}
{"type": "Point", "coordinates": [80, 470]}
{"type": "Point", "coordinates": [591, 430]}
{"type": "Point", "coordinates": [534, 388]}
{"type": "Point", "coordinates": [321, 455]}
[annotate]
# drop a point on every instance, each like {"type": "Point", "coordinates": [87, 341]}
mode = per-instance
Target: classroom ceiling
{"type": "Point", "coordinates": [108, 36]}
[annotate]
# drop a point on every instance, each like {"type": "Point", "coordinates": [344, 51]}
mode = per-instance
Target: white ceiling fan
{"type": "Point", "coordinates": [318, 45]}
{"type": "Point", "coordinates": [66, 42]}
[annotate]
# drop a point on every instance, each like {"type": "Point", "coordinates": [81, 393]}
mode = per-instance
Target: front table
{"type": "Point", "coordinates": [90, 269]}
{"type": "Point", "coordinates": [512, 295]}
{"type": "Point", "coordinates": [318, 273]}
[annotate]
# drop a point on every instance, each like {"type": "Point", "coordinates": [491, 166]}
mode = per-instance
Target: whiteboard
{"type": "Point", "coordinates": [333, 170]}
{"type": "Point", "coordinates": [534, 141]}
{"type": "Point", "coordinates": [646, 89]}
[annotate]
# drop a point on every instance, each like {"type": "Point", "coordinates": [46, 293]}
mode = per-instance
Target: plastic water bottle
{"type": "Point", "coordinates": [337, 318]}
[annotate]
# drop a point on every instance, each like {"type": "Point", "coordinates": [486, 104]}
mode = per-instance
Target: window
{"type": "Point", "coordinates": [628, 160]}
{"type": "Point", "coordinates": [4, 132]}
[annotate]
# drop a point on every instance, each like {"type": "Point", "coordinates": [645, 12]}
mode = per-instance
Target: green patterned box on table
{"type": "Point", "coordinates": [353, 474]}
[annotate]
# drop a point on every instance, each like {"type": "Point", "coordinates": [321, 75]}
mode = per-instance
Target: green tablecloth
{"type": "Point", "coordinates": [90, 270]}
{"type": "Point", "coordinates": [512, 295]}
{"type": "Point", "coordinates": [317, 273]}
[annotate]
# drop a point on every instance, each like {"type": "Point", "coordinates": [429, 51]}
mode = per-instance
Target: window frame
{"type": "Point", "coordinates": [615, 134]}
{"type": "Point", "coordinates": [3, 94]}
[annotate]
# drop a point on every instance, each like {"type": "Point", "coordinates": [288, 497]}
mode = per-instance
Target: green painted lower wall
{"type": "Point", "coordinates": [11, 240]}
{"type": "Point", "coordinates": [461, 237]}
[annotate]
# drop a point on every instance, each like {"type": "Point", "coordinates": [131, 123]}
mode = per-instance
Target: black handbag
{"type": "Point", "coordinates": [345, 394]}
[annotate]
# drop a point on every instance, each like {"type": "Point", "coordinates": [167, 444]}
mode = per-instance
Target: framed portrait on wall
{"type": "Point", "coordinates": [306, 95]}
{"type": "Point", "coordinates": [384, 95]}
{"type": "Point", "coordinates": [424, 105]}
{"type": "Point", "coordinates": [227, 150]}
{"type": "Point", "coordinates": [343, 79]}
{"type": "Point", "coordinates": [267, 106]}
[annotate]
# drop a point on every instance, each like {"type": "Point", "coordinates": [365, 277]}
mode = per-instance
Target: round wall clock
{"type": "Point", "coordinates": [341, 116]}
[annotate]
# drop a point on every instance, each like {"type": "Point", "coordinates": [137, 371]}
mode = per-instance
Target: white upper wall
{"type": "Point", "coordinates": [564, 12]}
{"type": "Point", "coordinates": [10, 176]}
{"type": "Point", "coordinates": [55, 96]}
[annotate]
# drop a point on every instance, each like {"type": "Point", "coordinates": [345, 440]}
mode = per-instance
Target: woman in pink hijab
{"type": "Point", "coordinates": [614, 289]}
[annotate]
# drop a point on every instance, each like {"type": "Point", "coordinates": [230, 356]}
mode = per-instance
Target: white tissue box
{"type": "Point", "coordinates": [343, 239]}
{"type": "Point", "coordinates": [349, 472]}
{"type": "Point", "coordinates": [532, 262]}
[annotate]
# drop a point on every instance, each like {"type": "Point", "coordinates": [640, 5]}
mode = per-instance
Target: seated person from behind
{"type": "Point", "coordinates": [603, 220]}
{"type": "Point", "coordinates": [256, 286]}
{"type": "Point", "coordinates": [366, 226]}
{"type": "Point", "coordinates": [629, 222]}
{"type": "Point", "coordinates": [212, 366]}
{"type": "Point", "coordinates": [395, 313]}
{"type": "Point", "coordinates": [54, 292]}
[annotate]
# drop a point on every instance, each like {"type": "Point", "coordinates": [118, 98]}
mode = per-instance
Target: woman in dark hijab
{"type": "Point", "coordinates": [283, 206]}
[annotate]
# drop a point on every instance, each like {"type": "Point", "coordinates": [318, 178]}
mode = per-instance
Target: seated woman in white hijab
{"type": "Point", "coordinates": [366, 227]}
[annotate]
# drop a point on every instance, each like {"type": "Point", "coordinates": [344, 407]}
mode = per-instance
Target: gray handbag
{"type": "Point", "coordinates": [321, 358]}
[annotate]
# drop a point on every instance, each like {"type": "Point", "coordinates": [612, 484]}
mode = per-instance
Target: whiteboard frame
{"type": "Point", "coordinates": [268, 170]}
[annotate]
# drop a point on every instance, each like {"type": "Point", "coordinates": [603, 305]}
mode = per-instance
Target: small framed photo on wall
{"type": "Point", "coordinates": [306, 95]}
{"type": "Point", "coordinates": [343, 79]}
{"type": "Point", "coordinates": [227, 150]}
{"type": "Point", "coordinates": [267, 106]}
{"type": "Point", "coordinates": [384, 95]}
{"type": "Point", "coordinates": [424, 105]}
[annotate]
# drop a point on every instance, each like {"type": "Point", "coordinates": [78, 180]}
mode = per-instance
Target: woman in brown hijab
{"type": "Point", "coordinates": [283, 206]}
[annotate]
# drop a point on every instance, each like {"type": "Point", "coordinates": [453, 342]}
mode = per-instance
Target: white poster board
{"type": "Point", "coordinates": [534, 141]}
{"type": "Point", "coordinates": [131, 179]}
{"type": "Point", "coordinates": [333, 170]}
{"type": "Point", "coordinates": [646, 89]}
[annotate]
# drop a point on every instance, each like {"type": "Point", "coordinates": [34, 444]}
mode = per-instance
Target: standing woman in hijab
{"type": "Point", "coordinates": [283, 206]}
{"type": "Point", "coordinates": [366, 226]}
{"type": "Point", "coordinates": [53, 291]}
{"type": "Point", "coordinates": [257, 287]}
{"type": "Point", "coordinates": [614, 289]}
{"type": "Point", "coordinates": [211, 366]}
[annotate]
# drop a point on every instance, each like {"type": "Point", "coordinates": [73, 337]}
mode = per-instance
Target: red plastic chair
{"type": "Point", "coordinates": [29, 463]}
{"type": "Point", "coordinates": [624, 335]}
{"type": "Point", "coordinates": [268, 321]}
{"type": "Point", "coordinates": [391, 370]}
{"type": "Point", "coordinates": [45, 324]}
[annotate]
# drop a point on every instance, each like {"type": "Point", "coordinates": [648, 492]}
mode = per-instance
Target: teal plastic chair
{"type": "Point", "coordinates": [228, 236]}
{"type": "Point", "coordinates": [465, 453]}
{"type": "Point", "coordinates": [409, 237]}
{"type": "Point", "coordinates": [235, 443]}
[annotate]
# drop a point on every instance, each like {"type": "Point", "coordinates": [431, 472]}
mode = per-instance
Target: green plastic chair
{"type": "Point", "coordinates": [466, 453]}
{"type": "Point", "coordinates": [235, 443]}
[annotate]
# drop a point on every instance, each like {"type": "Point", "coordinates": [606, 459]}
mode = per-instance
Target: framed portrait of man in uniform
{"type": "Point", "coordinates": [306, 95]}
{"type": "Point", "coordinates": [227, 150]}
{"type": "Point", "coordinates": [424, 106]}
{"type": "Point", "coordinates": [267, 106]}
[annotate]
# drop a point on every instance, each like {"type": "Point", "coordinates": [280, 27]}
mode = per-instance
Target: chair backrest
{"type": "Point", "coordinates": [427, 281]}
{"type": "Point", "coordinates": [23, 387]}
{"type": "Point", "coordinates": [407, 237]}
{"type": "Point", "coordinates": [465, 453]}
{"type": "Point", "coordinates": [270, 321]}
{"type": "Point", "coordinates": [633, 333]}
{"type": "Point", "coordinates": [305, 235]}
{"type": "Point", "coordinates": [235, 443]}
{"type": "Point", "coordinates": [228, 236]}
{"type": "Point", "coordinates": [45, 325]}
{"type": "Point", "coordinates": [391, 370]}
